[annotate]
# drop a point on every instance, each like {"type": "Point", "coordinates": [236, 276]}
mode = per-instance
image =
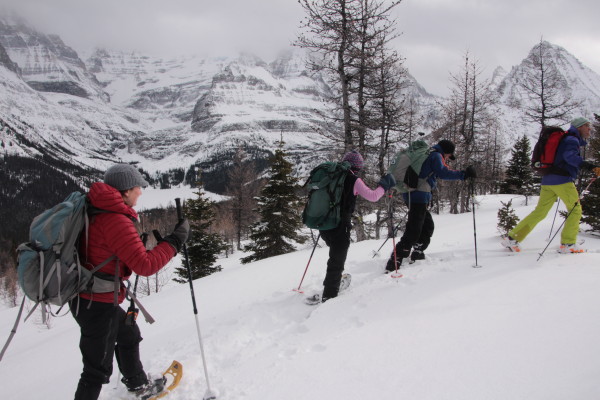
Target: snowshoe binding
{"type": "Point", "coordinates": [153, 387]}
{"type": "Point", "coordinates": [511, 244]}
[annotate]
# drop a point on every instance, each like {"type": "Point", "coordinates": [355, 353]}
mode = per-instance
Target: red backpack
{"type": "Point", "coordinates": [544, 151]}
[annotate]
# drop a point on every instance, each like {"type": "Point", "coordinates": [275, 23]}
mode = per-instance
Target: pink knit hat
{"type": "Point", "coordinates": [355, 159]}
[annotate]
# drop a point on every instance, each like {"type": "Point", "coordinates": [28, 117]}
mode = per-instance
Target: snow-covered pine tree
{"type": "Point", "coordinates": [203, 246]}
{"type": "Point", "coordinates": [507, 219]}
{"type": "Point", "coordinates": [280, 213]}
{"type": "Point", "coordinates": [591, 201]}
{"type": "Point", "coordinates": [519, 175]}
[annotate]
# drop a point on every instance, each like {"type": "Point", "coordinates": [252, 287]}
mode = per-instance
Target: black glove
{"type": "Point", "coordinates": [588, 165]}
{"type": "Point", "coordinates": [470, 172]}
{"type": "Point", "coordinates": [387, 182]}
{"type": "Point", "coordinates": [179, 236]}
{"type": "Point", "coordinates": [157, 235]}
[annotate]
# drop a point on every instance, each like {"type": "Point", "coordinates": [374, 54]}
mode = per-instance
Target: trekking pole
{"type": "Point", "coordinates": [209, 395]}
{"type": "Point", "coordinates": [565, 220]}
{"type": "Point", "coordinates": [306, 269]}
{"type": "Point", "coordinates": [394, 229]}
{"type": "Point", "coordinates": [376, 253]}
{"type": "Point", "coordinates": [472, 185]}
{"type": "Point", "coordinates": [554, 219]}
{"type": "Point", "coordinates": [397, 274]}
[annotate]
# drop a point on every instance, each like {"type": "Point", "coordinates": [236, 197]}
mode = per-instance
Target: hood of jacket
{"type": "Point", "coordinates": [107, 198]}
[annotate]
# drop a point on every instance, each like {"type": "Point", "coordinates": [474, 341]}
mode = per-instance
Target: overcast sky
{"type": "Point", "coordinates": [435, 33]}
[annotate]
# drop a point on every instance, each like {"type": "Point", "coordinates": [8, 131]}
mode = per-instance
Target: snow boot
{"type": "Point", "coordinates": [317, 298]}
{"type": "Point", "coordinates": [571, 249]}
{"type": "Point", "coordinates": [511, 244]}
{"type": "Point", "coordinates": [152, 387]}
{"type": "Point", "coordinates": [416, 255]}
{"type": "Point", "coordinates": [390, 267]}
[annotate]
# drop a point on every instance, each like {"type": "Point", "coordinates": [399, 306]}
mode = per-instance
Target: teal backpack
{"type": "Point", "coordinates": [406, 167]}
{"type": "Point", "coordinates": [326, 186]}
{"type": "Point", "coordinates": [48, 267]}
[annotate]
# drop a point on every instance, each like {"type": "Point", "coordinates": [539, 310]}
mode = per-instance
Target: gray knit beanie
{"type": "Point", "coordinates": [579, 122]}
{"type": "Point", "coordinates": [124, 177]}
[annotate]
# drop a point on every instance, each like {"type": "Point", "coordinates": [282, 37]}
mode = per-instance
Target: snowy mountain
{"type": "Point", "coordinates": [166, 114]}
{"type": "Point", "coordinates": [45, 62]}
{"type": "Point", "coordinates": [581, 83]}
{"type": "Point", "coordinates": [513, 329]}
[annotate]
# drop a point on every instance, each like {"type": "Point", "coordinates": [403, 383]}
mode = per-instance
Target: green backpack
{"type": "Point", "coordinates": [406, 167]}
{"type": "Point", "coordinates": [326, 186]}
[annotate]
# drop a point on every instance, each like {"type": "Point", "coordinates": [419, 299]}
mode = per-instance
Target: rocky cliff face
{"type": "Point", "coordinates": [7, 63]}
{"type": "Point", "coordinates": [46, 63]}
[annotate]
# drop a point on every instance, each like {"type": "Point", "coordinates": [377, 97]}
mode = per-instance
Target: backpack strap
{"type": "Point", "coordinates": [117, 284]}
{"type": "Point", "coordinates": [146, 314]}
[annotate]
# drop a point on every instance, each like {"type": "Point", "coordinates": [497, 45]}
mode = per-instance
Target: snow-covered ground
{"type": "Point", "coordinates": [163, 198]}
{"type": "Point", "coordinates": [512, 329]}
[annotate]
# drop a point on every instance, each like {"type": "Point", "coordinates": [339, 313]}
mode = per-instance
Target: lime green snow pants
{"type": "Point", "coordinates": [548, 194]}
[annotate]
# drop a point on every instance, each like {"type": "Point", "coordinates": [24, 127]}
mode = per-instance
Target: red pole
{"type": "Point", "coordinates": [306, 269]}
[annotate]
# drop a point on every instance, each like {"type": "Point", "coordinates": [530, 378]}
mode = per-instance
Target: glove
{"type": "Point", "coordinates": [470, 172]}
{"type": "Point", "coordinates": [179, 235]}
{"type": "Point", "coordinates": [588, 166]}
{"type": "Point", "coordinates": [157, 235]}
{"type": "Point", "coordinates": [596, 171]}
{"type": "Point", "coordinates": [387, 182]}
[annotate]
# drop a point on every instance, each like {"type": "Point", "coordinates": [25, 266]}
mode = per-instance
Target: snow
{"type": "Point", "coordinates": [512, 329]}
{"type": "Point", "coordinates": [164, 198]}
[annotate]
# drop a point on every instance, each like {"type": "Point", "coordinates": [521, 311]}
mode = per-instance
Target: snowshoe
{"type": "Point", "coordinates": [345, 282]}
{"type": "Point", "coordinates": [511, 244]}
{"type": "Point", "coordinates": [313, 300]}
{"type": "Point", "coordinates": [571, 249]}
{"type": "Point", "coordinates": [317, 298]}
{"type": "Point", "coordinates": [152, 388]}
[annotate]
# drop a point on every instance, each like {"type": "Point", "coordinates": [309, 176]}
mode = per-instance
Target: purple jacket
{"type": "Point", "coordinates": [568, 158]}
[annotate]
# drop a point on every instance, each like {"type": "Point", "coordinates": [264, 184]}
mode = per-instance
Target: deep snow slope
{"type": "Point", "coordinates": [512, 329]}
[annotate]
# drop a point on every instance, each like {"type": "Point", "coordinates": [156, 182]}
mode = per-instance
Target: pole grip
{"type": "Point", "coordinates": [178, 206]}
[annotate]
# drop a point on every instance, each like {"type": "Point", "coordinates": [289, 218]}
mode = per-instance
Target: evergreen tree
{"type": "Point", "coordinates": [591, 200]}
{"type": "Point", "coordinates": [519, 175]}
{"type": "Point", "coordinates": [203, 246]}
{"type": "Point", "coordinates": [279, 208]}
{"type": "Point", "coordinates": [507, 219]}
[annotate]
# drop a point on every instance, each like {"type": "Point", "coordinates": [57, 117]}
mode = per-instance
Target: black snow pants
{"type": "Point", "coordinates": [338, 240]}
{"type": "Point", "coordinates": [103, 335]}
{"type": "Point", "coordinates": [418, 232]}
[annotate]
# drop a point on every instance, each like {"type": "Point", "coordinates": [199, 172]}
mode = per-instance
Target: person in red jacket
{"type": "Point", "coordinates": [104, 331]}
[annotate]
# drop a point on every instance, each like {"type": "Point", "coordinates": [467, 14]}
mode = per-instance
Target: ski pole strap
{"type": "Point", "coordinates": [14, 329]}
{"type": "Point", "coordinates": [146, 314]}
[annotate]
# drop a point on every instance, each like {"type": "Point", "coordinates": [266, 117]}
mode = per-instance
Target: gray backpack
{"type": "Point", "coordinates": [406, 166]}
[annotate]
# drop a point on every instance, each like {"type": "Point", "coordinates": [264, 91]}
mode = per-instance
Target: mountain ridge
{"type": "Point", "coordinates": [189, 110]}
